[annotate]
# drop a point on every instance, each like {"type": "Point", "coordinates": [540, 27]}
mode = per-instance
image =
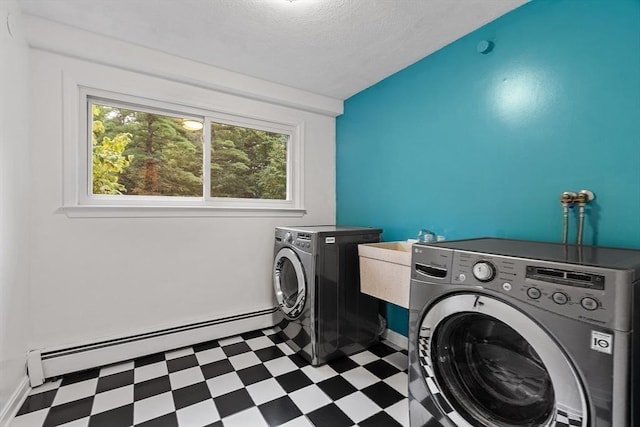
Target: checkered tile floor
{"type": "Point", "coordinates": [249, 380]}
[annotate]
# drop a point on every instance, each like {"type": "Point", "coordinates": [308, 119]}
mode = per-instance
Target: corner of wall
{"type": "Point", "coordinates": [11, 408]}
{"type": "Point", "coordinates": [14, 215]}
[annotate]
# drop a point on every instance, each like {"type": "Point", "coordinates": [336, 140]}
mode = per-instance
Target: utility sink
{"type": "Point", "coordinates": [385, 271]}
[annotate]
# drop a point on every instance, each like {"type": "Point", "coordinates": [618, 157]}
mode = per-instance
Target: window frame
{"type": "Point", "coordinates": [80, 201]}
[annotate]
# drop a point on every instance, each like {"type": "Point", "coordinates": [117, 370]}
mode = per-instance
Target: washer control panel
{"type": "Point", "coordinates": [575, 291]}
{"type": "Point", "coordinates": [585, 293]}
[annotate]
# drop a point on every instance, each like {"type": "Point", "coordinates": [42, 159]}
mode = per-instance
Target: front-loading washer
{"type": "Point", "coordinates": [316, 280]}
{"type": "Point", "coordinates": [507, 333]}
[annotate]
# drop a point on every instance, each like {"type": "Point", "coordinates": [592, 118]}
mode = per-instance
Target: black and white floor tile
{"type": "Point", "coordinates": [250, 380]}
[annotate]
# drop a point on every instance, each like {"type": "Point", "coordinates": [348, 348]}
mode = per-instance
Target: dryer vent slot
{"type": "Point", "coordinates": [427, 270]}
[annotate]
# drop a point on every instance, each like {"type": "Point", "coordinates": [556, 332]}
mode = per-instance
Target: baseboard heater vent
{"type": "Point", "coordinates": [44, 364]}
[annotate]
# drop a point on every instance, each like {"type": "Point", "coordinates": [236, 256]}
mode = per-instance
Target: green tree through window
{"type": "Point", "coordinates": [248, 163]}
{"type": "Point", "coordinates": [108, 160]}
{"type": "Point", "coordinates": [137, 153]}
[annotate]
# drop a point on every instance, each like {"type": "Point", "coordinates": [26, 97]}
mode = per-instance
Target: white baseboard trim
{"type": "Point", "coordinates": [396, 338]}
{"type": "Point", "coordinates": [48, 363]}
{"type": "Point", "coordinates": [15, 401]}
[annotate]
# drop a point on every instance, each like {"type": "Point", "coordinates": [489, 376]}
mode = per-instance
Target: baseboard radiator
{"type": "Point", "coordinates": [44, 364]}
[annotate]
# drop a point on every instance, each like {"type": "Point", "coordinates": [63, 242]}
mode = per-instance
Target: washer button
{"type": "Point", "coordinates": [462, 277]}
{"type": "Point", "coordinates": [506, 286]}
{"type": "Point", "coordinates": [589, 303]}
{"type": "Point", "coordinates": [560, 298]}
{"type": "Point", "coordinates": [534, 293]}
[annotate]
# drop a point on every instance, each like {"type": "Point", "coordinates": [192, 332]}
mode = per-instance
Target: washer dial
{"type": "Point", "coordinates": [484, 271]}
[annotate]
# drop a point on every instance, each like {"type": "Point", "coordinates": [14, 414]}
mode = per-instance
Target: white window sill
{"type": "Point", "coordinates": [113, 211]}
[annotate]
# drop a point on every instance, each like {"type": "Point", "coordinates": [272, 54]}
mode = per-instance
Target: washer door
{"type": "Point", "coordinates": [289, 282]}
{"type": "Point", "coordinates": [488, 364]}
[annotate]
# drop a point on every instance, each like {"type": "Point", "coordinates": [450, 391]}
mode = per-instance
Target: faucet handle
{"type": "Point", "coordinates": [585, 196]}
{"type": "Point", "coordinates": [567, 198]}
{"type": "Point", "coordinates": [426, 236]}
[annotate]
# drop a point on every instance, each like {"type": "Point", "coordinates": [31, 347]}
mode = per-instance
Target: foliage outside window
{"type": "Point", "coordinates": [141, 152]}
{"type": "Point", "coordinates": [248, 163]}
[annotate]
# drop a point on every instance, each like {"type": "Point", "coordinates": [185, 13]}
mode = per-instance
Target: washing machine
{"type": "Point", "coordinates": [317, 286]}
{"type": "Point", "coordinates": [519, 333]}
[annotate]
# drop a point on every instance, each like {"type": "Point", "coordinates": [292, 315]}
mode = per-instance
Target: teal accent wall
{"type": "Point", "coordinates": [469, 144]}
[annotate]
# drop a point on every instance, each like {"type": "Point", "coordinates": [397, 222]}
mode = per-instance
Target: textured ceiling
{"type": "Point", "coordinates": [330, 47]}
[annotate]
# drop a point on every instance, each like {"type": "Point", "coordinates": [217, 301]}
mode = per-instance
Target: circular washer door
{"type": "Point", "coordinates": [488, 364]}
{"type": "Point", "coordinates": [289, 282]}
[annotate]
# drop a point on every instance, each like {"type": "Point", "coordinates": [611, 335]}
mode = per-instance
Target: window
{"type": "Point", "coordinates": [248, 163]}
{"type": "Point", "coordinates": [140, 154]}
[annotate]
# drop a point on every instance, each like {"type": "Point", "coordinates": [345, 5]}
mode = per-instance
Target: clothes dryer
{"type": "Point", "coordinates": [507, 333]}
{"type": "Point", "coordinates": [317, 286]}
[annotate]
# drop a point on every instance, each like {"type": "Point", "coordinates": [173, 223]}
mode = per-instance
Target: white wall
{"type": "Point", "coordinates": [100, 277]}
{"type": "Point", "coordinates": [14, 206]}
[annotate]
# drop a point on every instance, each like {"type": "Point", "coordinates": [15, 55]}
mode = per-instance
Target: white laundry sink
{"type": "Point", "coordinates": [385, 271]}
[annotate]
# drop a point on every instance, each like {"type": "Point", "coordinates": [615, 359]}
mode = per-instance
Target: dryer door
{"type": "Point", "coordinates": [289, 282]}
{"type": "Point", "coordinates": [488, 364]}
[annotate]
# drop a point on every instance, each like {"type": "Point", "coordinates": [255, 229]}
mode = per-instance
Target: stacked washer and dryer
{"type": "Point", "coordinates": [507, 333]}
{"type": "Point", "coordinates": [317, 284]}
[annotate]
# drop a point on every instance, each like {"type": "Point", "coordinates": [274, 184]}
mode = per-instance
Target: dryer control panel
{"type": "Point", "coordinates": [582, 292]}
{"type": "Point", "coordinates": [295, 239]}
{"type": "Point", "coordinates": [303, 241]}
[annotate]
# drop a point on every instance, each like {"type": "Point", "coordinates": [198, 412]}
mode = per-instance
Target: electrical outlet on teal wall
{"type": "Point", "coordinates": [472, 144]}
